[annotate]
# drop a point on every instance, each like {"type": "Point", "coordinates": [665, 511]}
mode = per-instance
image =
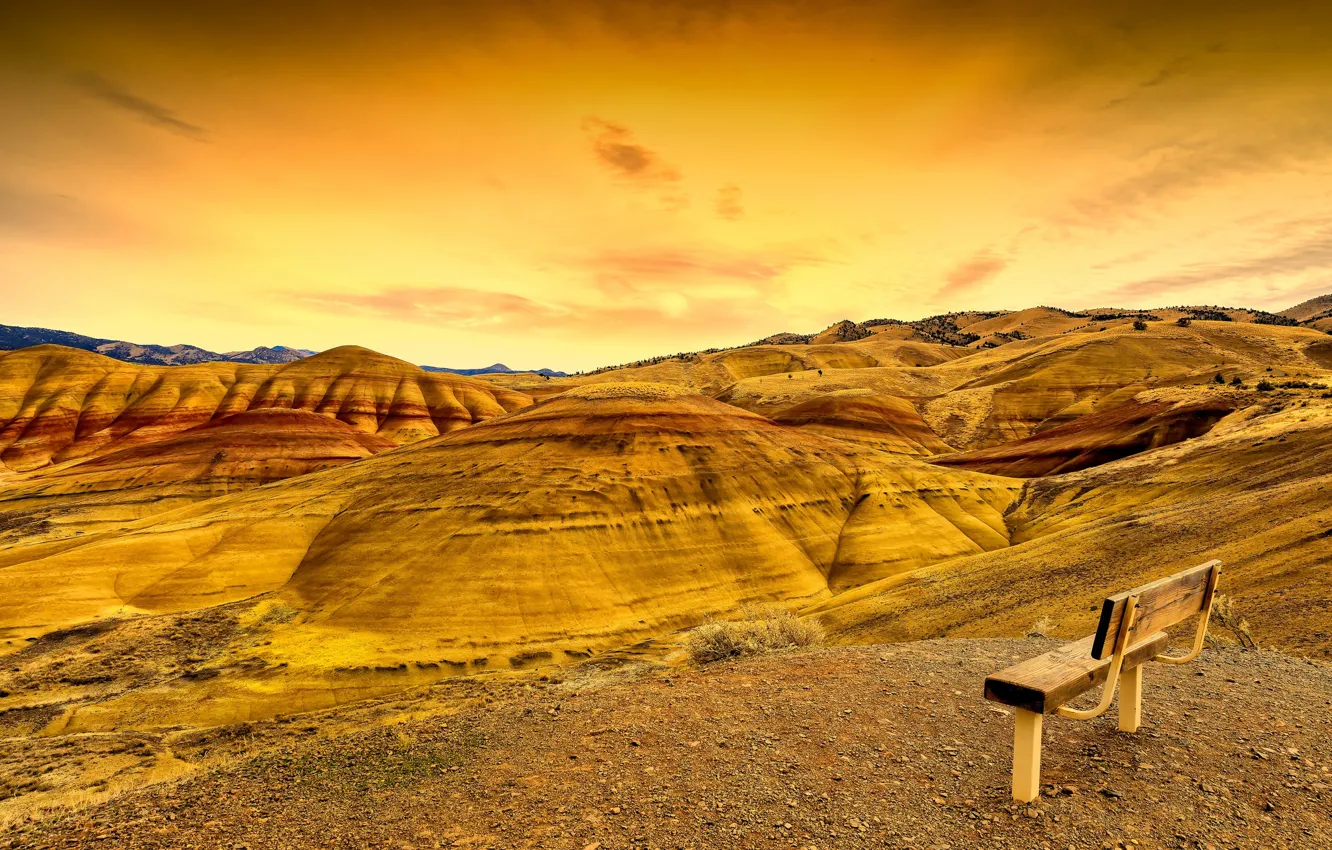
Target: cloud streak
{"type": "Point", "coordinates": [679, 266]}
{"type": "Point", "coordinates": [451, 306]}
{"type": "Point", "coordinates": [1305, 254]}
{"type": "Point", "coordinates": [979, 268]}
{"type": "Point", "coordinates": [143, 109]}
{"type": "Point", "coordinates": [730, 205]}
{"type": "Point", "coordinates": [1177, 170]}
{"type": "Point", "coordinates": [499, 313]}
{"type": "Point", "coordinates": [615, 149]}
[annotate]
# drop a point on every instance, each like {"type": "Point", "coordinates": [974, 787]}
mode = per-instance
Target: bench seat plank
{"type": "Point", "coordinates": [1044, 683]}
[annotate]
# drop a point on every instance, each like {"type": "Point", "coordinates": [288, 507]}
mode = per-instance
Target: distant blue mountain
{"type": "Point", "coordinates": [496, 369]}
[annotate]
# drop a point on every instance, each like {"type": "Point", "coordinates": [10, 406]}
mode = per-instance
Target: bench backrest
{"type": "Point", "coordinates": [1161, 604]}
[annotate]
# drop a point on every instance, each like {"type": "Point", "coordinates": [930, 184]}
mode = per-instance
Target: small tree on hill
{"type": "Point", "coordinates": [1219, 378]}
{"type": "Point", "coordinates": [1139, 325]}
{"type": "Point", "coordinates": [1183, 321]}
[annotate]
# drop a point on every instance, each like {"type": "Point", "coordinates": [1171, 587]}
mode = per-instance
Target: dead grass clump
{"type": "Point", "coordinates": [1041, 628]}
{"type": "Point", "coordinates": [1224, 614]}
{"type": "Point", "coordinates": [590, 676]}
{"type": "Point", "coordinates": [760, 629]}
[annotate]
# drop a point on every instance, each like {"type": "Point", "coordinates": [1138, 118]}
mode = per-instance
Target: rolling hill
{"type": "Point", "coordinates": [359, 525]}
{"type": "Point", "coordinates": [599, 518]}
{"type": "Point", "coordinates": [59, 404]}
{"type": "Point", "coordinates": [87, 442]}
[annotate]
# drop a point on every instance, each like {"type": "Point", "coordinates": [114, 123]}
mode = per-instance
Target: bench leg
{"type": "Point", "coordinates": [1130, 699]}
{"type": "Point", "coordinates": [1027, 756]}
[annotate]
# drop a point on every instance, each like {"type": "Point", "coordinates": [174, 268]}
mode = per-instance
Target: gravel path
{"type": "Point", "coordinates": [886, 746]}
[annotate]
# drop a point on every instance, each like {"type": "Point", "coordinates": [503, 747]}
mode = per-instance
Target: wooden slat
{"type": "Point", "coordinates": [1161, 604]}
{"type": "Point", "coordinates": [1044, 683]}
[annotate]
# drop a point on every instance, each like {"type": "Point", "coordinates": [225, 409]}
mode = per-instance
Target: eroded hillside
{"type": "Point", "coordinates": [608, 515]}
{"type": "Point", "coordinates": [61, 404]}
{"type": "Point", "coordinates": [865, 481]}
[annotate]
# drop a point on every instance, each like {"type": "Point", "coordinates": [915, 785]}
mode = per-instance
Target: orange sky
{"type": "Point", "coordinates": [572, 184]}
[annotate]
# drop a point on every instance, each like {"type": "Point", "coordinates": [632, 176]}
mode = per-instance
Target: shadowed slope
{"type": "Point", "coordinates": [60, 404]}
{"type": "Point", "coordinates": [1099, 437]}
{"type": "Point", "coordinates": [232, 453]}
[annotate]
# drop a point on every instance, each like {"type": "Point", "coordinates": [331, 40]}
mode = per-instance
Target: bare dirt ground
{"type": "Point", "coordinates": [851, 747]}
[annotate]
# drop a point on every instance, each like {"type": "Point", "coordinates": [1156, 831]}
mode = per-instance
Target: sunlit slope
{"type": "Point", "coordinates": [1011, 392]}
{"type": "Point", "coordinates": [860, 415]}
{"type": "Point", "coordinates": [1023, 324]}
{"type": "Point", "coordinates": [592, 520]}
{"type": "Point", "coordinates": [1256, 492]}
{"type": "Point", "coordinates": [61, 404]}
{"type": "Point", "coordinates": [998, 395]}
{"type": "Point", "coordinates": [711, 373]}
{"type": "Point", "coordinates": [225, 455]}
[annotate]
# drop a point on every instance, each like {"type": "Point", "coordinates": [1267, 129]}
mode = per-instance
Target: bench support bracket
{"type": "Point", "coordinates": [1027, 756]}
{"type": "Point", "coordinates": [1116, 666]}
{"type": "Point", "coordinates": [1130, 699]}
{"type": "Point", "coordinates": [1200, 636]}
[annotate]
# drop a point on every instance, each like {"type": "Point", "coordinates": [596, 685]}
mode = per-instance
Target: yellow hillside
{"type": "Point", "coordinates": [601, 517]}
{"type": "Point", "coordinates": [59, 404]}
{"type": "Point", "coordinates": [1256, 492]}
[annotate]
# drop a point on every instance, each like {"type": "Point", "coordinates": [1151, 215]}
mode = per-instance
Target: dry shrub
{"type": "Point", "coordinates": [761, 629]}
{"type": "Point", "coordinates": [1041, 628]}
{"type": "Point", "coordinates": [268, 613]}
{"type": "Point", "coordinates": [1224, 614]}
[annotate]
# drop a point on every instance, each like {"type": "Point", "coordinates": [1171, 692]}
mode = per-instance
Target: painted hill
{"type": "Point", "coordinates": [224, 455]}
{"type": "Point", "coordinates": [884, 422]}
{"type": "Point", "coordinates": [1253, 491]}
{"type": "Point", "coordinates": [1100, 437]}
{"type": "Point", "coordinates": [60, 404]}
{"type": "Point", "coordinates": [88, 443]}
{"type": "Point", "coordinates": [599, 518]}
{"type": "Point", "coordinates": [503, 535]}
{"type": "Point", "coordinates": [981, 398]}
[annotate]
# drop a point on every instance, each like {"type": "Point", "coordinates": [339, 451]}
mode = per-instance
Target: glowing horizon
{"type": "Point", "coordinates": [575, 184]}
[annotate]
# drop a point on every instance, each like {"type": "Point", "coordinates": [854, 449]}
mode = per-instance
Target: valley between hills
{"type": "Point", "coordinates": [203, 547]}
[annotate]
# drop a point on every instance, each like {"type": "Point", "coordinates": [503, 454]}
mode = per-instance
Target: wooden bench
{"type": "Point", "coordinates": [1129, 634]}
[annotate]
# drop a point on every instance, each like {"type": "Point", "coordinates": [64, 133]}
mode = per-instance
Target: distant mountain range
{"type": "Point", "coordinates": [132, 352]}
{"type": "Point", "coordinates": [12, 338]}
{"type": "Point", "coordinates": [498, 368]}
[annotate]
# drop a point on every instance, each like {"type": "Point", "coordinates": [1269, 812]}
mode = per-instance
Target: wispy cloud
{"type": "Point", "coordinates": [145, 110]}
{"type": "Point", "coordinates": [451, 306]}
{"type": "Point", "coordinates": [53, 215]}
{"type": "Point", "coordinates": [634, 164]}
{"type": "Point", "coordinates": [474, 310]}
{"type": "Point", "coordinates": [681, 265]}
{"type": "Point", "coordinates": [1303, 252]}
{"type": "Point", "coordinates": [730, 203]}
{"type": "Point", "coordinates": [1170, 71]}
{"type": "Point", "coordinates": [1174, 171]}
{"type": "Point", "coordinates": [980, 267]}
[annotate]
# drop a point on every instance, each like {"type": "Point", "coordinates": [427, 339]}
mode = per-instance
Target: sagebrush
{"type": "Point", "coordinates": [759, 630]}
